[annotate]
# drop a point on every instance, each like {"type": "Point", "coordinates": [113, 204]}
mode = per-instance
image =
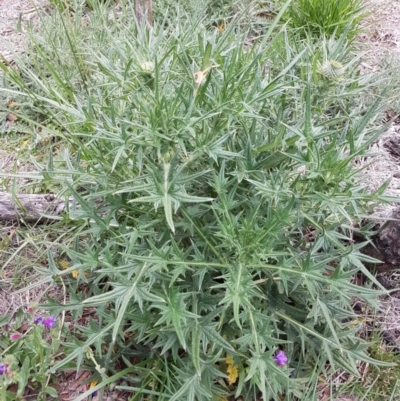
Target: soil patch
{"type": "Point", "coordinates": [14, 15]}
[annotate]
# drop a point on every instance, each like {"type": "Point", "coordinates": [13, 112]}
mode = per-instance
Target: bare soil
{"type": "Point", "coordinates": [14, 14]}
{"type": "Point", "coordinates": [381, 45]}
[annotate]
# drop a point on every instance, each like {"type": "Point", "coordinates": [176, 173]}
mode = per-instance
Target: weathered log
{"type": "Point", "coordinates": [30, 207]}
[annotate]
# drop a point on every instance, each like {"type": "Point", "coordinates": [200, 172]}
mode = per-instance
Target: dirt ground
{"type": "Point", "coordinates": [380, 42]}
{"type": "Point", "coordinates": [11, 12]}
{"type": "Point", "coordinates": [381, 45]}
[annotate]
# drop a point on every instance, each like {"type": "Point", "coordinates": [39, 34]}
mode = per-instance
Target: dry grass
{"type": "Point", "coordinates": [19, 281]}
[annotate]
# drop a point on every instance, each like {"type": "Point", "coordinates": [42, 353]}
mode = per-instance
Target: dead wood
{"type": "Point", "coordinates": [30, 207]}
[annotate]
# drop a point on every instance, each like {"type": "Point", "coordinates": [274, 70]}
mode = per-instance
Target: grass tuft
{"type": "Point", "coordinates": [329, 17]}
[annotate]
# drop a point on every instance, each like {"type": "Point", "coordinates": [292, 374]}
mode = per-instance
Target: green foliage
{"type": "Point", "coordinates": [327, 17]}
{"type": "Point", "coordinates": [377, 381]}
{"type": "Point", "coordinates": [382, 380]}
{"type": "Point", "coordinates": [215, 197]}
{"type": "Point", "coordinates": [77, 5]}
{"type": "Point", "coordinates": [26, 358]}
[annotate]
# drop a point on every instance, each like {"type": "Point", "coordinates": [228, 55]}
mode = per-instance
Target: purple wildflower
{"type": "Point", "coordinates": [38, 320]}
{"type": "Point", "coordinates": [2, 368]}
{"type": "Point", "coordinates": [15, 336]}
{"type": "Point", "coordinates": [280, 358]}
{"type": "Point", "coordinates": [49, 321]}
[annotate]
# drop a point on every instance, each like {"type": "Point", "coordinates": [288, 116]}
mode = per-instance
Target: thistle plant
{"type": "Point", "coordinates": [215, 202]}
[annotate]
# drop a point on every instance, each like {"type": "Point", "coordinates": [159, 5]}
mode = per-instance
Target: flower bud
{"type": "Point", "coordinates": [280, 358]}
{"type": "Point", "coordinates": [15, 336]}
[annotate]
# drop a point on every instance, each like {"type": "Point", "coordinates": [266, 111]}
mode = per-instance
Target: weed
{"type": "Point", "coordinates": [26, 357]}
{"type": "Point", "coordinates": [329, 17]}
{"type": "Point", "coordinates": [215, 197]}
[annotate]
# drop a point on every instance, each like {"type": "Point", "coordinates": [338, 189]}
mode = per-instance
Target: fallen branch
{"type": "Point", "coordinates": [30, 207]}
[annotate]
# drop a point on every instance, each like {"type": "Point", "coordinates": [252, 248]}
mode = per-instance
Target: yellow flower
{"type": "Point", "coordinates": [75, 274]}
{"type": "Point", "coordinates": [63, 264]}
{"type": "Point", "coordinates": [93, 383]}
{"type": "Point", "coordinates": [232, 370]}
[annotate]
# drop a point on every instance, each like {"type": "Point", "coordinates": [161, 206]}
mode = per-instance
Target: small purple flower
{"type": "Point", "coordinates": [38, 320]}
{"type": "Point", "coordinates": [49, 321]}
{"type": "Point", "coordinates": [15, 336]}
{"type": "Point", "coordinates": [280, 358]}
{"type": "Point", "coordinates": [2, 368]}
